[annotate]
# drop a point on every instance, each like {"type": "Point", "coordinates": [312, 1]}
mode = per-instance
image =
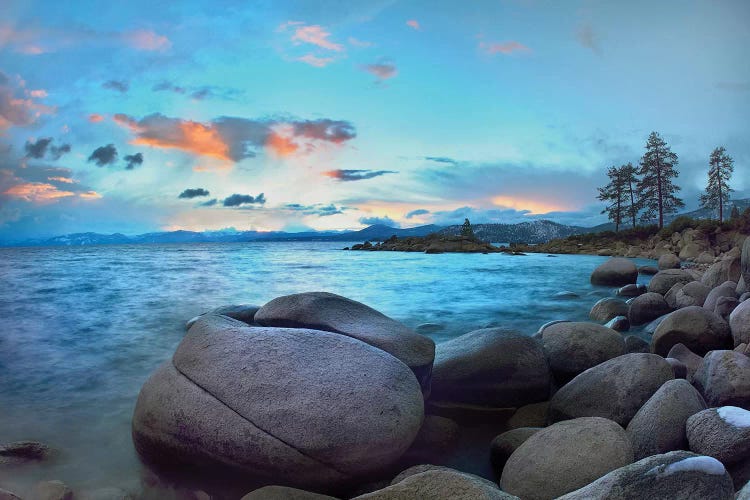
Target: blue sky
{"type": "Point", "coordinates": [343, 113]}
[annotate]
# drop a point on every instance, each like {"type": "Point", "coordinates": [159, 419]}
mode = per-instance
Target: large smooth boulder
{"type": "Point", "coordinates": [636, 344]}
{"type": "Point", "coordinates": [647, 307]}
{"type": "Point", "coordinates": [726, 289]}
{"type": "Point", "coordinates": [437, 437]}
{"type": "Point", "coordinates": [533, 415]}
{"type": "Point", "coordinates": [503, 446]}
{"type": "Point", "coordinates": [565, 456]}
{"type": "Point", "coordinates": [668, 261]}
{"type": "Point", "coordinates": [573, 347]}
{"type": "Point", "coordinates": [739, 323]}
{"type": "Point", "coordinates": [671, 296]}
{"type": "Point", "coordinates": [308, 407]}
{"type": "Point", "coordinates": [631, 290]}
{"type": "Point", "coordinates": [722, 433]}
{"type": "Point", "coordinates": [284, 493]}
{"type": "Point", "coordinates": [671, 476]}
{"type": "Point", "coordinates": [664, 280]}
{"type": "Point", "coordinates": [687, 357]}
{"type": "Point", "coordinates": [723, 379]}
{"type": "Point", "coordinates": [615, 389]}
{"type": "Point", "coordinates": [659, 426]}
{"type": "Point", "coordinates": [745, 262]}
{"type": "Point", "coordinates": [697, 328]}
{"type": "Point", "coordinates": [492, 367]}
{"type": "Point", "coordinates": [608, 308]}
{"type": "Point", "coordinates": [727, 269]}
{"type": "Point", "coordinates": [334, 313]}
{"type": "Point", "coordinates": [615, 272]}
{"type": "Point", "coordinates": [692, 294]}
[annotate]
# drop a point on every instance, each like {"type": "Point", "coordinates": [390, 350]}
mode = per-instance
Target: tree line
{"type": "Point", "coordinates": [648, 191]}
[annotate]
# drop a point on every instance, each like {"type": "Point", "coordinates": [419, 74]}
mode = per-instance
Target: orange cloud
{"type": "Point", "coordinates": [38, 192]}
{"type": "Point", "coordinates": [192, 137]}
{"type": "Point", "coordinates": [315, 35]}
{"type": "Point", "coordinates": [281, 145]}
{"type": "Point", "coordinates": [413, 23]}
{"type": "Point", "coordinates": [66, 180]}
{"type": "Point", "coordinates": [90, 195]}
{"type": "Point", "coordinates": [506, 48]}
{"type": "Point", "coordinates": [534, 206]}
{"type": "Point", "coordinates": [17, 104]}
{"type": "Point", "coordinates": [95, 118]}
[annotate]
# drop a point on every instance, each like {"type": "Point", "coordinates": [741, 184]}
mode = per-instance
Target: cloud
{"type": "Point", "coordinates": [95, 118]}
{"type": "Point", "coordinates": [588, 38]}
{"type": "Point", "coordinates": [198, 93]}
{"type": "Point", "coordinates": [413, 23]}
{"type": "Point", "coordinates": [169, 87]}
{"type": "Point", "coordinates": [132, 161]}
{"type": "Point", "coordinates": [507, 48]}
{"type": "Point", "coordinates": [442, 159]}
{"type": "Point", "coordinates": [319, 209]}
{"type": "Point", "coordinates": [313, 60]}
{"type": "Point", "coordinates": [104, 155]}
{"type": "Point", "coordinates": [417, 212]}
{"type": "Point", "coordinates": [384, 221]}
{"type": "Point", "coordinates": [734, 86]}
{"type": "Point", "coordinates": [209, 203]}
{"type": "Point", "coordinates": [314, 35]}
{"type": "Point", "coordinates": [116, 85]}
{"type": "Point", "coordinates": [356, 175]}
{"type": "Point", "coordinates": [147, 40]}
{"type": "Point", "coordinates": [233, 138]}
{"type": "Point", "coordinates": [41, 147]}
{"type": "Point", "coordinates": [237, 200]}
{"type": "Point", "coordinates": [191, 193]}
{"type": "Point", "coordinates": [43, 40]}
{"type": "Point", "coordinates": [359, 43]}
{"type": "Point", "coordinates": [18, 106]}
{"type": "Point", "coordinates": [382, 70]}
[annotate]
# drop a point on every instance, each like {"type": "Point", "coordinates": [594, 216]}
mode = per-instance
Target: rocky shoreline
{"type": "Point", "coordinates": [316, 396]}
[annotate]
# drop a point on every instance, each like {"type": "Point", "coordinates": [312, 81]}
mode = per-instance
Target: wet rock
{"type": "Point", "coordinates": [543, 468]}
{"type": "Point", "coordinates": [533, 415]}
{"type": "Point", "coordinates": [692, 294]}
{"type": "Point", "coordinates": [664, 280]}
{"type": "Point", "coordinates": [727, 269]}
{"type": "Point", "coordinates": [659, 426]}
{"type": "Point", "coordinates": [503, 446]}
{"type": "Point", "coordinates": [615, 389]}
{"type": "Point", "coordinates": [615, 272]}
{"type": "Point", "coordinates": [648, 270]}
{"type": "Point", "coordinates": [284, 493]}
{"type": "Point", "coordinates": [24, 451]}
{"type": "Point", "coordinates": [651, 327]}
{"type": "Point", "coordinates": [334, 313]}
{"type": "Point", "coordinates": [668, 261]}
{"type": "Point", "coordinates": [671, 476]}
{"type": "Point", "coordinates": [697, 328]}
{"type": "Point", "coordinates": [632, 290]}
{"type": "Point", "coordinates": [619, 324]}
{"type": "Point", "coordinates": [726, 289]}
{"type": "Point", "coordinates": [723, 379]}
{"type": "Point", "coordinates": [436, 438]}
{"type": "Point", "coordinates": [722, 433]}
{"type": "Point", "coordinates": [647, 307]}
{"type": "Point", "coordinates": [739, 323]}
{"type": "Point", "coordinates": [608, 308]}
{"type": "Point", "coordinates": [52, 490]}
{"type": "Point", "coordinates": [636, 344]}
{"type": "Point", "coordinates": [493, 367]}
{"type": "Point", "coordinates": [678, 367]}
{"type": "Point", "coordinates": [576, 346]}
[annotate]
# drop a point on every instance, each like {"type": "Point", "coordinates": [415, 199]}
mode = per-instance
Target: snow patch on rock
{"type": "Point", "coordinates": [702, 464]}
{"type": "Point", "coordinates": [732, 415]}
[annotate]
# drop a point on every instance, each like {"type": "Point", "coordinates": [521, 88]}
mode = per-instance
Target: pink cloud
{"type": "Point", "coordinates": [506, 48]}
{"type": "Point", "coordinates": [413, 23]}
{"type": "Point", "coordinates": [318, 62]}
{"type": "Point", "coordinates": [147, 40]}
{"type": "Point", "coordinates": [96, 118]}
{"type": "Point", "coordinates": [39, 94]}
{"type": "Point", "coordinates": [17, 105]}
{"type": "Point", "coordinates": [315, 35]}
{"type": "Point", "coordinates": [383, 70]}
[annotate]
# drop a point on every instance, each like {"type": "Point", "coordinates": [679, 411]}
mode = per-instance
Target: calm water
{"type": "Point", "coordinates": [82, 328]}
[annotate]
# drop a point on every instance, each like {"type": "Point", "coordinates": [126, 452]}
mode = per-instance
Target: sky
{"type": "Point", "coordinates": [134, 117]}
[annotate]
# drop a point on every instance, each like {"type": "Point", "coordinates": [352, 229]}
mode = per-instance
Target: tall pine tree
{"type": "Point", "coordinates": [629, 180]}
{"type": "Point", "coordinates": [720, 169]}
{"type": "Point", "coordinates": [657, 169]}
{"type": "Point", "coordinates": [615, 195]}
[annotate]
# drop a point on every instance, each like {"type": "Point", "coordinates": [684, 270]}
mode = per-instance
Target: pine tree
{"type": "Point", "coordinates": [655, 188]}
{"type": "Point", "coordinates": [720, 169]}
{"type": "Point", "coordinates": [735, 214]}
{"type": "Point", "coordinates": [466, 230]}
{"type": "Point", "coordinates": [628, 173]}
{"type": "Point", "coordinates": [615, 194]}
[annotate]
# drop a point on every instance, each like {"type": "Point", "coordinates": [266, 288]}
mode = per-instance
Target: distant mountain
{"type": "Point", "coordinates": [707, 213]}
{"type": "Point", "coordinates": [538, 231]}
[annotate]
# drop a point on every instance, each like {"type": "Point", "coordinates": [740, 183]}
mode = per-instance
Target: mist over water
{"type": "Point", "coordinates": [82, 328]}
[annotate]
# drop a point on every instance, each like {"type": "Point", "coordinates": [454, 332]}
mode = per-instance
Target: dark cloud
{"type": "Point", "coordinates": [56, 152]}
{"type": "Point", "coordinates": [419, 211]}
{"type": "Point", "coordinates": [209, 203]}
{"type": "Point", "coordinates": [382, 70]}
{"type": "Point", "coordinates": [319, 209]}
{"type": "Point", "coordinates": [104, 155]}
{"type": "Point", "coordinates": [166, 86]}
{"type": "Point", "coordinates": [244, 199]}
{"type": "Point", "coordinates": [116, 85]}
{"type": "Point", "coordinates": [41, 147]}
{"type": "Point", "coordinates": [132, 161]}
{"type": "Point", "coordinates": [385, 221]}
{"type": "Point", "coordinates": [588, 38]}
{"type": "Point", "coordinates": [194, 193]}
{"type": "Point", "coordinates": [356, 175]}
{"type": "Point", "coordinates": [442, 159]}
{"type": "Point", "coordinates": [336, 131]}
{"type": "Point", "coordinates": [197, 93]}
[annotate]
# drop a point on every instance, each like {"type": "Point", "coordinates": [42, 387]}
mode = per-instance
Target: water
{"type": "Point", "coordinates": [82, 328]}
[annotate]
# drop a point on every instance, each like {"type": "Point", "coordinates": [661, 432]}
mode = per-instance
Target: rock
{"type": "Point", "coordinates": [741, 348]}
{"type": "Point", "coordinates": [491, 367]}
{"type": "Point", "coordinates": [722, 433]}
{"type": "Point", "coordinates": [664, 280]}
{"type": "Point", "coordinates": [668, 261]}
{"type": "Point", "coordinates": [725, 306]}
{"type": "Point", "coordinates": [538, 334]}
{"type": "Point", "coordinates": [648, 270]}
{"type": "Point", "coordinates": [739, 323]}
{"type": "Point", "coordinates": [705, 258]}
{"type": "Point", "coordinates": [636, 344]}
{"type": "Point", "coordinates": [533, 415]}
{"type": "Point", "coordinates": [106, 494]}
{"type": "Point", "coordinates": [678, 367]}
{"type": "Point", "coordinates": [608, 308]}
{"type": "Point", "coordinates": [741, 286]}
{"type": "Point", "coordinates": [334, 313]}
{"type": "Point", "coordinates": [437, 484]}
{"type": "Point", "coordinates": [284, 493]}
{"type": "Point", "coordinates": [744, 296]}
{"type": "Point", "coordinates": [726, 289]}
{"type": "Point", "coordinates": [7, 495]}
{"type": "Point", "coordinates": [691, 360]}
{"type": "Point", "coordinates": [52, 490]}
{"type": "Point", "coordinates": [690, 251]}
{"type": "Point", "coordinates": [436, 438]}
{"type": "Point", "coordinates": [632, 290]}
{"type": "Point", "coordinates": [659, 426]}
{"type": "Point", "coordinates": [744, 493]}
{"type": "Point", "coordinates": [723, 379]}
{"type": "Point", "coordinates": [24, 451]}
{"type": "Point", "coordinates": [647, 307]}
{"type": "Point", "coordinates": [298, 411]}
{"type": "Point", "coordinates": [619, 324]}
{"type": "Point", "coordinates": [615, 272]}
{"type": "Point", "coordinates": [240, 312]}
{"type": "Point", "coordinates": [671, 296]}
{"type": "Point", "coordinates": [615, 389]}
{"type": "Point", "coordinates": [692, 294]}
{"type": "Point", "coordinates": [745, 261]}
{"type": "Point", "coordinates": [671, 476]}
{"type": "Point", "coordinates": [503, 446]}
{"type": "Point", "coordinates": [576, 346]}
{"type": "Point", "coordinates": [727, 269]}
{"type": "Point", "coordinates": [429, 328]}
{"type": "Point", "coordinates": [651, 327]}
{"type": "Point", "coordinates": [543, 466]}
{"type": "Point", "coordinates": [695, 327]}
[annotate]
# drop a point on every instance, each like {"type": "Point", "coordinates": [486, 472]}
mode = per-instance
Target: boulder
{"type": "Point", "coordinates": [436, 438]}
{"type": "Point", "coordinates": [664, 280]}
{"type": "Point", "coordinates": [745, 261]}
{"type": "Point", "coordinates": [651, 327]}
{"type": "Point", "coordinates": [51, 490]}
{"type": "Point", "coordinates": [739, 323]}
{"type": "Point", "coordinates": [722, 433]}
{"type": "Point", "coordinates": [573, 347]}
{"type": "Point", "coordinates": [636, 344]}
{"type": "Point", "coordinates": [619, 324]}
{"type": "Point", "coordinates": [647, 307]}
{"type": "Point", "coordinates": [503, 446]}
{"type": "Point", "coordinates": [314, 408]}
{"type": "Point", "coordinates": [107, 493]}
{"type": "Point", "coordinates": [668, 261]}
{"type": "Point", "coordinates": [741, 286]}
{"type": "Point", "coordinates": [697, 328]}
{"type": "Point", "coordinates": [632, 290]}
{"type": "Point", "coordinates": [615, 389]}
{"type": "Point", "coordinates": [727, 269]}
{"type": "Point", "coordinates": [492, 367]}
{"type": "Point", "coordinates": [337, 314]}
{"type": "Point", "coordinates": [7, 495]}
{"type": "Point", "coordinates": [608, 308]}
{"type": "Point", "coordinates": [723, 379]}
{"type": "Point", "coordinates": [671, 476]}
{"type": "Point", "coordinates": [671, 296]}
{"type": "Point", "coordinates": [678, 367]}
{"type": "Point", "coordinates": [691, 360]}
{"type": "Point", "coordinates": [533, 415]}
{"type": "Point", "coordinates": [659, 426]}
{"type": "Point", "coordinates": [648, 270]}
{"type": "Point", "coordinates": [692, 294]}
{"type": "Point", "coordinates": [726, 289]}
{"type": "Point", "coordinates": [690, 251]}
{"type": "Point", "coordinates": [565, 456]}
{"type": "Point", "coordinates": [744, 296]}
{"type": "Point", "coordinates": [284, 493]}
{"type": "Point", "coordinates": [615, 272]}
{"type": "Point", "coordinates": [24, 451]}
{"type": "Point", "coordinates": [725, 306]}
{"type": "Point", "coordinates": [705, 258]}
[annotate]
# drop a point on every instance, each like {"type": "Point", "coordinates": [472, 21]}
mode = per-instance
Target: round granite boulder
{"type": "Point", "coordinates": [723, 379]}
{"type": "Point", "coordinates": [739, 323]}
{"type": "Point", "coordinates": [631, 290]}
{"type": "Point", "coordinates": [503, 446]}
{"type": "Point", "coordinates": [608, 308]}
{"type": "Point", "coordinates": [615, 272]}
{"type": "Point", "coordinates": [615, 389]}
{"type": "Point", "coordinates": [745, 262]}
{"type": "Point", "coordinates": [726, 289]}
{"type": "Point", "coordinates": [304, 407]}
{"type": "Point", "coordinates": [573, 347]}
{"type": "Point", "coordinates": [647, 307]}
{"type": "Point", "coordinates": [664, 280]}
{"type": "Point", "coordinates": [722, 433]}
{"type": "Point", "coordinates": [692, 294]}
{"type": "Point", "coordinates": [697, 328]}
{"type": "Point", "coordinates": [635, 344]}
{"type": "Point", "coordinates": [668, 261]}
{"type": "Point", "coordinates": [687, 357]}
{"type": "Point", "coordinates": [565, 456]}
{"type": "Point", "coordinates": [284, 493]}
{"type": "Point", "coordinates": [727, 269]}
